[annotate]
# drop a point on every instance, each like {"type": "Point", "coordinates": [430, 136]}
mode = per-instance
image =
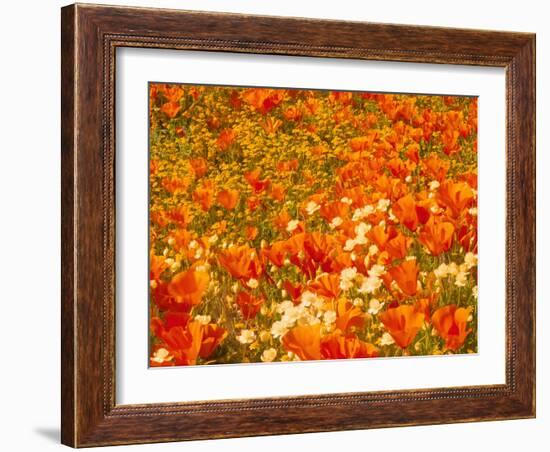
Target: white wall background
{"type": "Point", "coordinates": [29, 226]}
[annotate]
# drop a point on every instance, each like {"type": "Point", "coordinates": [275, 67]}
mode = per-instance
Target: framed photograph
{"type": "Point", "coordinates": [281, 225]}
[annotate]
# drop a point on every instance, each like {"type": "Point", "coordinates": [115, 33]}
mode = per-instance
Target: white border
{"type": "Point", "coordinates": [136, 383]}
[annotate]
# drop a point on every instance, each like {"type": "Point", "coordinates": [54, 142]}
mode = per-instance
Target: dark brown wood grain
{"type": "Point", "coordinates": [67, 226]}
{"type": "Point", "coordinates": [90, 36]}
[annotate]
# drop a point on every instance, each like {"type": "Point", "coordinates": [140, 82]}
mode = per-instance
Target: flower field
{"type": "Point", "coordinates": [292, 225]}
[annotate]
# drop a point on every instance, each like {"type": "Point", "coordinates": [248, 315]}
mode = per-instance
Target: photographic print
{"type": "Point", "coordinates": [297, 224]}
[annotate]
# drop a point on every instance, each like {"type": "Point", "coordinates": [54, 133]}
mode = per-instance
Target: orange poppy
{"type": "Point", "coordinates": [342, 97]}
{"type": "Point", "coordinates": [170, 320]}
{"type": "Point", "coordinates": [304, 263]}
{"type": "Point", "coordinates": [241, 262]}
{"type": "Point", "coordinates": [357, 195]}
{"type": "Point", "coordinates": [161, 297]}
{"type": "Point", "coordinates": [379, 236]}
{"type": "Point", "coordinates": [392, 188]}
{"type": "Point", "coordinates": [406, 276]}
{"type": "Point", "coordinates": [312, 128]}
{"type": "Point", "coordinates": [339, 346]}
{"type": "Point", "coordinates": [425, 305]}
{"type": "Point", "coordinates": [457, 196]}
{"type": "Point", "coordinates": [409, 213]}
{"type": "Point", "coordinates": [173, 93]}
{"type": "Point", "coordinates": [470, 178]}
{"type": "Point", "coordinates": [153, 166]}
{"type": "Point", "coordinates": [437, 236]}
{"type": "Point", "coordinates": [337, 261]}
{"type": "Point", "coordinates": [228, 198]}
{"type": "Point", "coordinates": [403, 323]}
{"type": "Point", "coordinates": [212, 336]}
{"type": "Point", "coordinates": [348, 316]}
{"type": "Point", "coordinates": [413, 153]}
{"type": "Point", "coordinates": [160, 327]}
{"type": "Point", "coordinates": [449, 138]}
{"type": "Point", "coordinates": [327, 285]}
{"type": "Point", "coordinates": [195, 91]}
{"type": "Point", "coordinates": [199, 166]}
{"type": "Point", "coordinates": [383, 259]}
{"type": "Point", "coordinates": [175, 184]}
{"type": "Point", "coordinates": [187, 288]}
{"type": "Point", "coordinates": [249, 304]}
{"type": "Point", "coordinates": [182, 238]}
{"type": "Point", "coordinates": [289, 165]}
{"type": "Point", "coordinates": [251, 232]}
{"type": "Point", "coordinates": [253, 203]}
{"type": "Point", "coordinates": [154, 92]}
{"type": "Point", "coordinates": [293, 113]}
{"type": "Point", "coordinates": [278, 192]}
{"type": "Point", "coordinates": [204, 195]}
{"type": "Point", "coordinates": [181, 216]}
{"type": "Point", "coordinates": [276, 253]}
{"type": "Point", "coordinates": [294, 291]}
{"type": "Point", "coordinates": [253, 178]}
{"type": "Point", "coordinates": [213, 123]}
{"type": "Point", "coordinates": [399, 168]}
{"type": "Point", "coordinates": [184, 344]}
{"type": "Point", "coordinates": [295, 244]}
{"type": "Point", "coordinates": [398, 244]}
{"type": "Point", "coordinates": [226, 138]}
{"type": "Point", "coordinates": [343, 114]}
{"type": "Point", "coordinates": [281, 220]}
{"type": "Point", "coordinates": [157, 264]}
{"type": "Point", "coordinates": [235, 99]}
{"type": "Point", "coordinates": [467, 237]}
{"type": "Point", "coordinates": [170, 109]}
{"type": "Point", "coordinates": [304, 341]}
{"type": "Point", "coordinates": [318, 245]}
{"type": "Point", "coordinates": [262, 99]}
{"type": "Point", "coordinates": [435, 167]}
{"type": "Point", "coordinates": [312, 104]}
{"type": "Point", "coordinates": [451, 323]}
{"type": "Point", "coordinates": [363, 143]}
{"type": "Point", "coordinates": [398, 110]}
{"type": "Point", "coordinates": [334, 209]}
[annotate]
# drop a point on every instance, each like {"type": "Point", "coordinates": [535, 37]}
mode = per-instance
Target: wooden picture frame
{"type": "Point", "coordinates": [90, 36]}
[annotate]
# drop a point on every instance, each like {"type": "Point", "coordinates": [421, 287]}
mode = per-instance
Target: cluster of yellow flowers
{"type": "Point", "coordinates": [304, 225]}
